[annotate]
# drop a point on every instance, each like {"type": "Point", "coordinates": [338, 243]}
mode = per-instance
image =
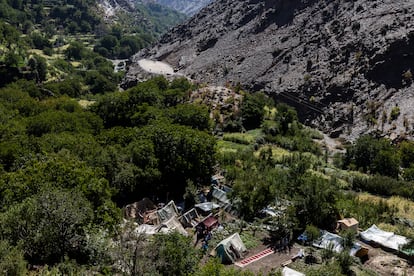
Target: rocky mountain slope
{"type": "Point", "coordinates": [346, 65]}
{"type": "Point", "coordinates": [188, 7]}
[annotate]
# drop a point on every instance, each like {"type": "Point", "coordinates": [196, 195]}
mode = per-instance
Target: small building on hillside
{"type": "Point", "coordinates": [346, 224]}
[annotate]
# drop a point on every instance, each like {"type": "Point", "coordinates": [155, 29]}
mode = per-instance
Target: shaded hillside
{"type": "Point", "coordinates": [346, 65]}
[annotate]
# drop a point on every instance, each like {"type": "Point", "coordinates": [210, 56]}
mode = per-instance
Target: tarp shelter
{"type": "Point", "coordinates": [209, 222]}
{"type": "Point", "coordinates": [329, 240]}
{"type": "Point", "coordinates": [220, 197]}
{"type": "Point", "coordinates": [335, 242]}
{"type": "Point", "coordinates": [347, 223]}
{"type": "Point", "coordinates": [167, 212]}
{"type": "Point", "coordinates": [172, 225]}
{"type": "Point", "coordinates": [286, 271]}
{"type": "Point", "coordinates": [383, 238]}
{"type": "Point", "coordinates": [190, 218]}
{"type": "Point", "coordinates": [146, 229]}
{"type": "Point", "coordinates": [230, 249]}
{"type": "Point", "coordinates": [207, 207]}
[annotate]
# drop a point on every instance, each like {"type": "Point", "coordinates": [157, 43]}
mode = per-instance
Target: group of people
{"type": "Point", "coordinates": [204, 235]}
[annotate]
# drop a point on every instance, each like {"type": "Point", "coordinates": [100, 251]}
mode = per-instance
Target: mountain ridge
{"type": "Point", "coordinates": [344, 64]}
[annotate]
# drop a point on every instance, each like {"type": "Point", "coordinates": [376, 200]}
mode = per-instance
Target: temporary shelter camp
{"type": "Point", "coordinates": [230, 249]}
{"type": "Point", "coordinates": [383, 238]}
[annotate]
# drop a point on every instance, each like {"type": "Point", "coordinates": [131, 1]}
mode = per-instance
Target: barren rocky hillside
{"type": "Point", "coordinates": [346, 65]}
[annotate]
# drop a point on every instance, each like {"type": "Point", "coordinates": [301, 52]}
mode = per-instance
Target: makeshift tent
{"type": "Point", "coordinates": [207, 207]}
{"type": "Point", "coordinates": [383, 238]}
{"type": "Point", "coordinates": [335, 242]}
{"type": "Point", "coordinates": [146, 229]}
{"type": "Point", "coordinates": [220, 197]}
{"type": "Point", "coordinates": [329, 240]}
{"type": "Point", "coordinates": [172, 225]}
{"type": "Point", "coordinates": [209, 223]}
{"type": "Point", "coordinates": [167, 212]}
{"type": "Point", "coordinates": [347, 223]}
{"type": "Point", "coordinates": [230, 249]}
{"type": "Point", "coordinates": [190, 218]}
{"type": "Point", "coordinates": [286, 271]}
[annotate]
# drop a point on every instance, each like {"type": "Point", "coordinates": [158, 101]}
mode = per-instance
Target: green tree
{"type": "Point", "coordinates": [12, 261]}
{"type": "Point", "coordinates": [49, 225]}
{"type": "Point", "coordinates": [406, 150]}
{"type": "Point", "coordinates": [316, 202]}
{"type": "Point", "coordinates": [374, 155]}
{"type": "Point", "coordinates": [175, 254]}
{"type": "Point", "coordinates": [252, 110]}
{"type": "Point", "coordinates": [75, 51]}
{"type": "Point", "coordinates": [191, 115]}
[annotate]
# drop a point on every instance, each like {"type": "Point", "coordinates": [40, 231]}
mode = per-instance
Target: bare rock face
{"type": "Point", "coordinates": [346, 65]}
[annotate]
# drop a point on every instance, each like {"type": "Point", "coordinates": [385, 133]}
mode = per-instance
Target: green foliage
{"type": "Point", "coordinates": [48, 225]}
{"type": "Point", "coordinates": [11, 260]}
{"type": "Point", "coordinates": [395, 112]}
{"type": "Point", "coordinates": [213, 267]}
{"type": "Point", "coordinates": [366, 212]}
{"type": "Point", "coordinates": [312, 232]}
{"type": "Point", "coordinates": [59, 121]}
{"type": "Point", "coordinates": [328, 269]}
{"type": "Point", "coordinates": [406, 150]}
{"type": "Point", "coordinates": [252, 110]}
{"type": "Point", "coordinates": [286, 131]}
{"type": "Point", "coordinates": [175, 254]}
{"type": "Point", "coordinates": [316, 201]}
{"type": "Point", "coordinates": [373, 155]}
{"type": "Point", "coordinates": [385, 186]}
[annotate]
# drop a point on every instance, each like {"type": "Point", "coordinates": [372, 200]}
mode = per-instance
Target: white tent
{"type": "Point", "coordinates": [328, 239]}
{"type": "Point", "coordinates": [286, 271]}
{"type": "Point", "coordinates": [384, 238]}
{"type": "Point", "coordinates": [230, 249]}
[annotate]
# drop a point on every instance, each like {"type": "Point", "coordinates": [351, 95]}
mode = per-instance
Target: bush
{"type": "Point", "coordinates": [11, 260]}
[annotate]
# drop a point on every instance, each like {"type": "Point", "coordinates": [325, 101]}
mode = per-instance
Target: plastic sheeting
{"type": "Point", "coordinates": [384, 238]}
{"type": "Point", "coordinates": [230, 249]}
{"type": "Point", "coordinates": [327, 240]}
{"type": "Point", "coordinates": [167, 212]}
{"type": "Point", "coordinates": [207, 206]}
{"type": "Point", "coordinates": [286, 271]}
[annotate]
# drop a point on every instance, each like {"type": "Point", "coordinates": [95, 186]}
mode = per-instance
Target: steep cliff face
{"type": "Point", "coordinates": [346, 65]}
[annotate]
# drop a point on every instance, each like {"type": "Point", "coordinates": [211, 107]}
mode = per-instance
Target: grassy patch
{"type": "Point", "coordinates": [227, 146]}
{"type": "Point", "coordinates": [246, 138]}
{"type": "Point", "coordinates": [405, 207]}
{"type": "Point", "coordinates": [278, 153]}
